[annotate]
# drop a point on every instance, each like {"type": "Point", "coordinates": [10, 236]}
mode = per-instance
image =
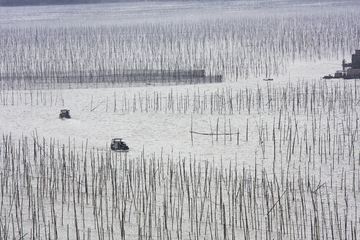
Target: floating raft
{"type": "Point", "coordinates": [118, 78]}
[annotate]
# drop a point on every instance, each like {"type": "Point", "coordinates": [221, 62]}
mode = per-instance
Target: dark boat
{"type": "Point", "coordinates": [117, 144]}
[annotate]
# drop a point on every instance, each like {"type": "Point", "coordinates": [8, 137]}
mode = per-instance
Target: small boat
{"type": "Point", "coordinates": [328, 77]}
{"type": "Point", "coordinates": [64, 113]}
{"type": "Point", "coordinates": [117, 144]}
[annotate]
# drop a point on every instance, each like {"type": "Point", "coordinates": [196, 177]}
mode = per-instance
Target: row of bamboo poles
{"type": "Point", "coordinates": [301, 97]}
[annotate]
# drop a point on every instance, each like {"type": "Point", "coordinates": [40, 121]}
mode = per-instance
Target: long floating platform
{"type": "Point", "coordinates": [120, 78]}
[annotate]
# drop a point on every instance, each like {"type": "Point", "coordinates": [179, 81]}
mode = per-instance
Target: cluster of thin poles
{"type": "Point", "coordinates": [311, 191]}
{"type": "Point", "coordinates": [58, 190]}
{"type": "Point", "coordinates": [49, 190]}
{"type": "Point", "coordinates": [235, 48]}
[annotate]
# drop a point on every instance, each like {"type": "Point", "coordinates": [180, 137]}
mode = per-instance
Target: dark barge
{"type": "Point", "coordinates": [350, 70]}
